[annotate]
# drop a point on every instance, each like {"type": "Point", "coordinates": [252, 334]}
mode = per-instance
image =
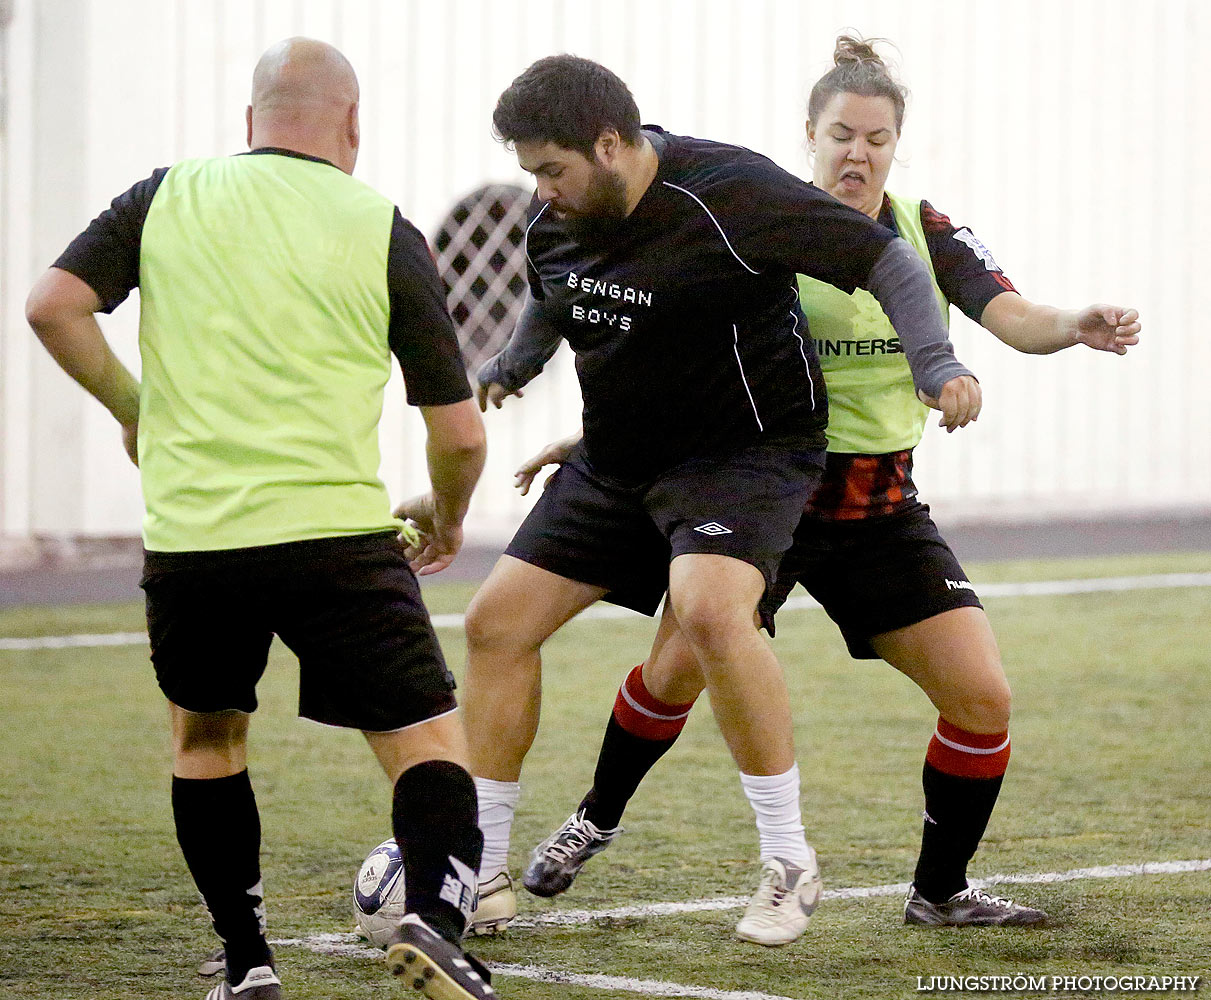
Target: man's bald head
{"type": "Point", "coordinates": [305, 98]}
{"type": "Point", "coordinates": [303, 74]}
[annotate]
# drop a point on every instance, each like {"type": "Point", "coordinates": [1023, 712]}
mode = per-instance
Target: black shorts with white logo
{"type": "Point", "coordinates": [622, 538]}
{"type": "Point", "coordinates": [873, 575]}
{"type": "Point", "coordinates": [348, 607]}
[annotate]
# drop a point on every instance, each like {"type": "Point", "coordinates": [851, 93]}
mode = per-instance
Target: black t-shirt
{"type": "Point", "coordinates": [421, 334]}
{"type": "Point", "coordinates": [685, 316]}
{"type": "Point", "coordinates": [965, 270]}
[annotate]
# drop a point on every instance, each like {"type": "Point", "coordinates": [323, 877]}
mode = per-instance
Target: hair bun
{"type": "Point", "coordinates": [855, 51]}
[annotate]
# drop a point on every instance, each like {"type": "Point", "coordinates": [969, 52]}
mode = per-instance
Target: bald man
{"type": "Point", "coordinates": [274, 289]}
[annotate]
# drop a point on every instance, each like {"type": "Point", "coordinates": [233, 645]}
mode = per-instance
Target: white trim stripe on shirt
{"type": "Point", "coordinates": [803, 353]}
{"type": "Point", "coordinates": [545, 206]}
{"type": "Point", "coordinates": [714, 220]}
{"type": "Point", "coordinates": [740, 365]}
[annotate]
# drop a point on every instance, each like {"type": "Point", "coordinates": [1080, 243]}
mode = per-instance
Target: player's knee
{"type": "Point", "coordinates": [709, 622]}
{"type": "Point", "coordinates": [493, 629]}
{"type": "Point", "coordinates": [209, 732]}
{"type": "Point", "coordinates": [484, 629]}
{"type": "Point", "coordinates": [983, 709]}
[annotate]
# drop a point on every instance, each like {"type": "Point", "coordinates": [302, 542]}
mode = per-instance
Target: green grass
{"type": "Point", "coordinates": [1111, 765]}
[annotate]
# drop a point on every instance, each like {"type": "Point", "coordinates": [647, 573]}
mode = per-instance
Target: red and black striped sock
{"type": "Point", "coordinates": [640, 731]}
{"type": "Point", "coordinates": [962, 779]}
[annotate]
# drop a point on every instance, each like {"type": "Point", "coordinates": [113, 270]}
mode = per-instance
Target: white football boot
{"type": "Point", "coordinates": [495, 906]}
{"type": "Point", "coordinates": [787, 896]}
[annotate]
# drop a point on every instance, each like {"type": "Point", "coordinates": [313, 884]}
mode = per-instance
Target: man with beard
{"type": "Point", "coordinates": [668, 263]}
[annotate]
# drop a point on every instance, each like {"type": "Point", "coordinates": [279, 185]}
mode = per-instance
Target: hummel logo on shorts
{"type": "Point", "coordinates": [713, 528]}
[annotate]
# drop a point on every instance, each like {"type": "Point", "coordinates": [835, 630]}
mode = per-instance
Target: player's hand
{"type": "Point", "coordinates": [130, 441]}
{"type": "Point", "coordinates": [1108, 328]}
{"type": "Point", "coordinates": [556, 453]}
{"type": "Point", "coordinates": [493, 393]}
{"type": "Point", "coordinates": [437, 542]}
{"type": "Point", "coordinates": [959, 402]}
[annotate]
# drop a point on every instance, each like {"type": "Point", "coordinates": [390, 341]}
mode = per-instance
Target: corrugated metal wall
{"type": "Point", "coordinates": [1064, 134]}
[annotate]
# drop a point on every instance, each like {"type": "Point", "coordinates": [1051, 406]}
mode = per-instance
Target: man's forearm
{"type": "Point", "coordinates": [79, 347]}
{"type": "Point", "coordinates": [453, 473]}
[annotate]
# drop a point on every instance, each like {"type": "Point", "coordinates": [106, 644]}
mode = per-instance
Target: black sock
{"type": "Point", "coordinates": [219, 831]}
{"type": "Point", "coordinates": [621, 765]}
{"type": "Point", "coordinates": [957, 811]}
{"type": "Point", "coordinates": [434, 816]}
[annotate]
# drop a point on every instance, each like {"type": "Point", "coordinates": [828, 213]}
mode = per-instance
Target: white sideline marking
{"type": "Point", "coordinates": [353, 946]}
{"type": "Point", "coordinates": [1038, 588]}
{"type": "Point", "coordinates": [74, 641]}
{"type": "Point", "coordinates": [623, 984]}
{"type": "Point", "coordinates": [573, 918]}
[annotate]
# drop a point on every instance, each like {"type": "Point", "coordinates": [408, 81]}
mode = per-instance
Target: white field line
{"type": "Point", "coordinates": [83, 641]}
{"type": "Point", "coordinates": [625, 984]}
{"type": "Point", "coordinates": [1038, 588]}
{"type": "Point", "coordinates": [352, 945]}
{"type": "Point", "coordinates": [572, 918]}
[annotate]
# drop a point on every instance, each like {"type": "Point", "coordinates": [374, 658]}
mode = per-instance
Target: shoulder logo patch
{"type": "Point", "coordinates": [967, 237]}
{"type": "Point", "coordinates": [713, 528]}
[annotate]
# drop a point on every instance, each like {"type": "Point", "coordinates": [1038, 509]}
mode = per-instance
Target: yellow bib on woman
{"type": "Point", "coordinates": [872, 405]}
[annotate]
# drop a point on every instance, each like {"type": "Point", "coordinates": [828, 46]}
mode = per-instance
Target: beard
{"type": "Point", "coordinates": [603, 210]}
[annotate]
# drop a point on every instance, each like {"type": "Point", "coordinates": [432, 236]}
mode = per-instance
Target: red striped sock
{"type": "Point", "coordinates": [961, 780]}
{"type": "Point", "coordinates": [957, 752]}
{"type": "Point", "coordinates": [642, 714]}
{"type": "Point", "coordinates": [640, 731]}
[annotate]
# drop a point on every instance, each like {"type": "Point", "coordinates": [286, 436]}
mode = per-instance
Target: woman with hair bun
{"type": "Point", "coordinates": [866, 548]}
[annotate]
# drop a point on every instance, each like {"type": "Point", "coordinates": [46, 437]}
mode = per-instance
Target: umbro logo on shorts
{"type": "Point", "coordinates": [713, 528]}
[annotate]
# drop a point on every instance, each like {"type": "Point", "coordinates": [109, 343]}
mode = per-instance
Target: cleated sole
{"type": "Point", "coordinates": [424, 975]}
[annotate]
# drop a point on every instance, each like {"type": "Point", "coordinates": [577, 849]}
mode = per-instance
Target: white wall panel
{"type": "Point", "coordinates": [16, 264]}
{"type": "Point", "coordinates": [1066, 135]}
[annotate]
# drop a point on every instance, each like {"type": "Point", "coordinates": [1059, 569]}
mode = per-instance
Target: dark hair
{"type": "Point", "coordinates": [857, 69]}
{"type": "Point", "coordinates": [566, 100]}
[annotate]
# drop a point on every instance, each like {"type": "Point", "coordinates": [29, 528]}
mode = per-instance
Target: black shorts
{"type": "Point", "coordinates": [622, 538]}
{"type": "Point", "coordinates": [349, 608]}
{"type": "Point", "coordinates": [873, 575]}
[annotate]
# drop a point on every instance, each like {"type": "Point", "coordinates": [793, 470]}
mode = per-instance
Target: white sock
{"type": "Point", "coordinates": [775, 800]}
{"type": "Point", "coordinates": [497, 802]}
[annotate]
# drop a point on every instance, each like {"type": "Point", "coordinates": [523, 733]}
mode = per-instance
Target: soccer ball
{"type": "Point", "coordinates": [378, 893]}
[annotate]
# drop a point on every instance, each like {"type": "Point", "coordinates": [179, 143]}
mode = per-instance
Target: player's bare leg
{"type": "Point", "coordinates": [714, 599]}
{"type": "Point", "coordinates": [208, 744]}
{"type": "Point", "coordinates": [514, 612]}
{"type": "Point", "coordinates": [442, 738]}
{"type": "Point", "coordinates": [953, 658]}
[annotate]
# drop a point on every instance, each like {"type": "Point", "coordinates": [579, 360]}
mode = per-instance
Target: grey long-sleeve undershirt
{"type": "Point", "coordinates": [533, 342]}
{"type": "Point", "coordinates": [899, 281]}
